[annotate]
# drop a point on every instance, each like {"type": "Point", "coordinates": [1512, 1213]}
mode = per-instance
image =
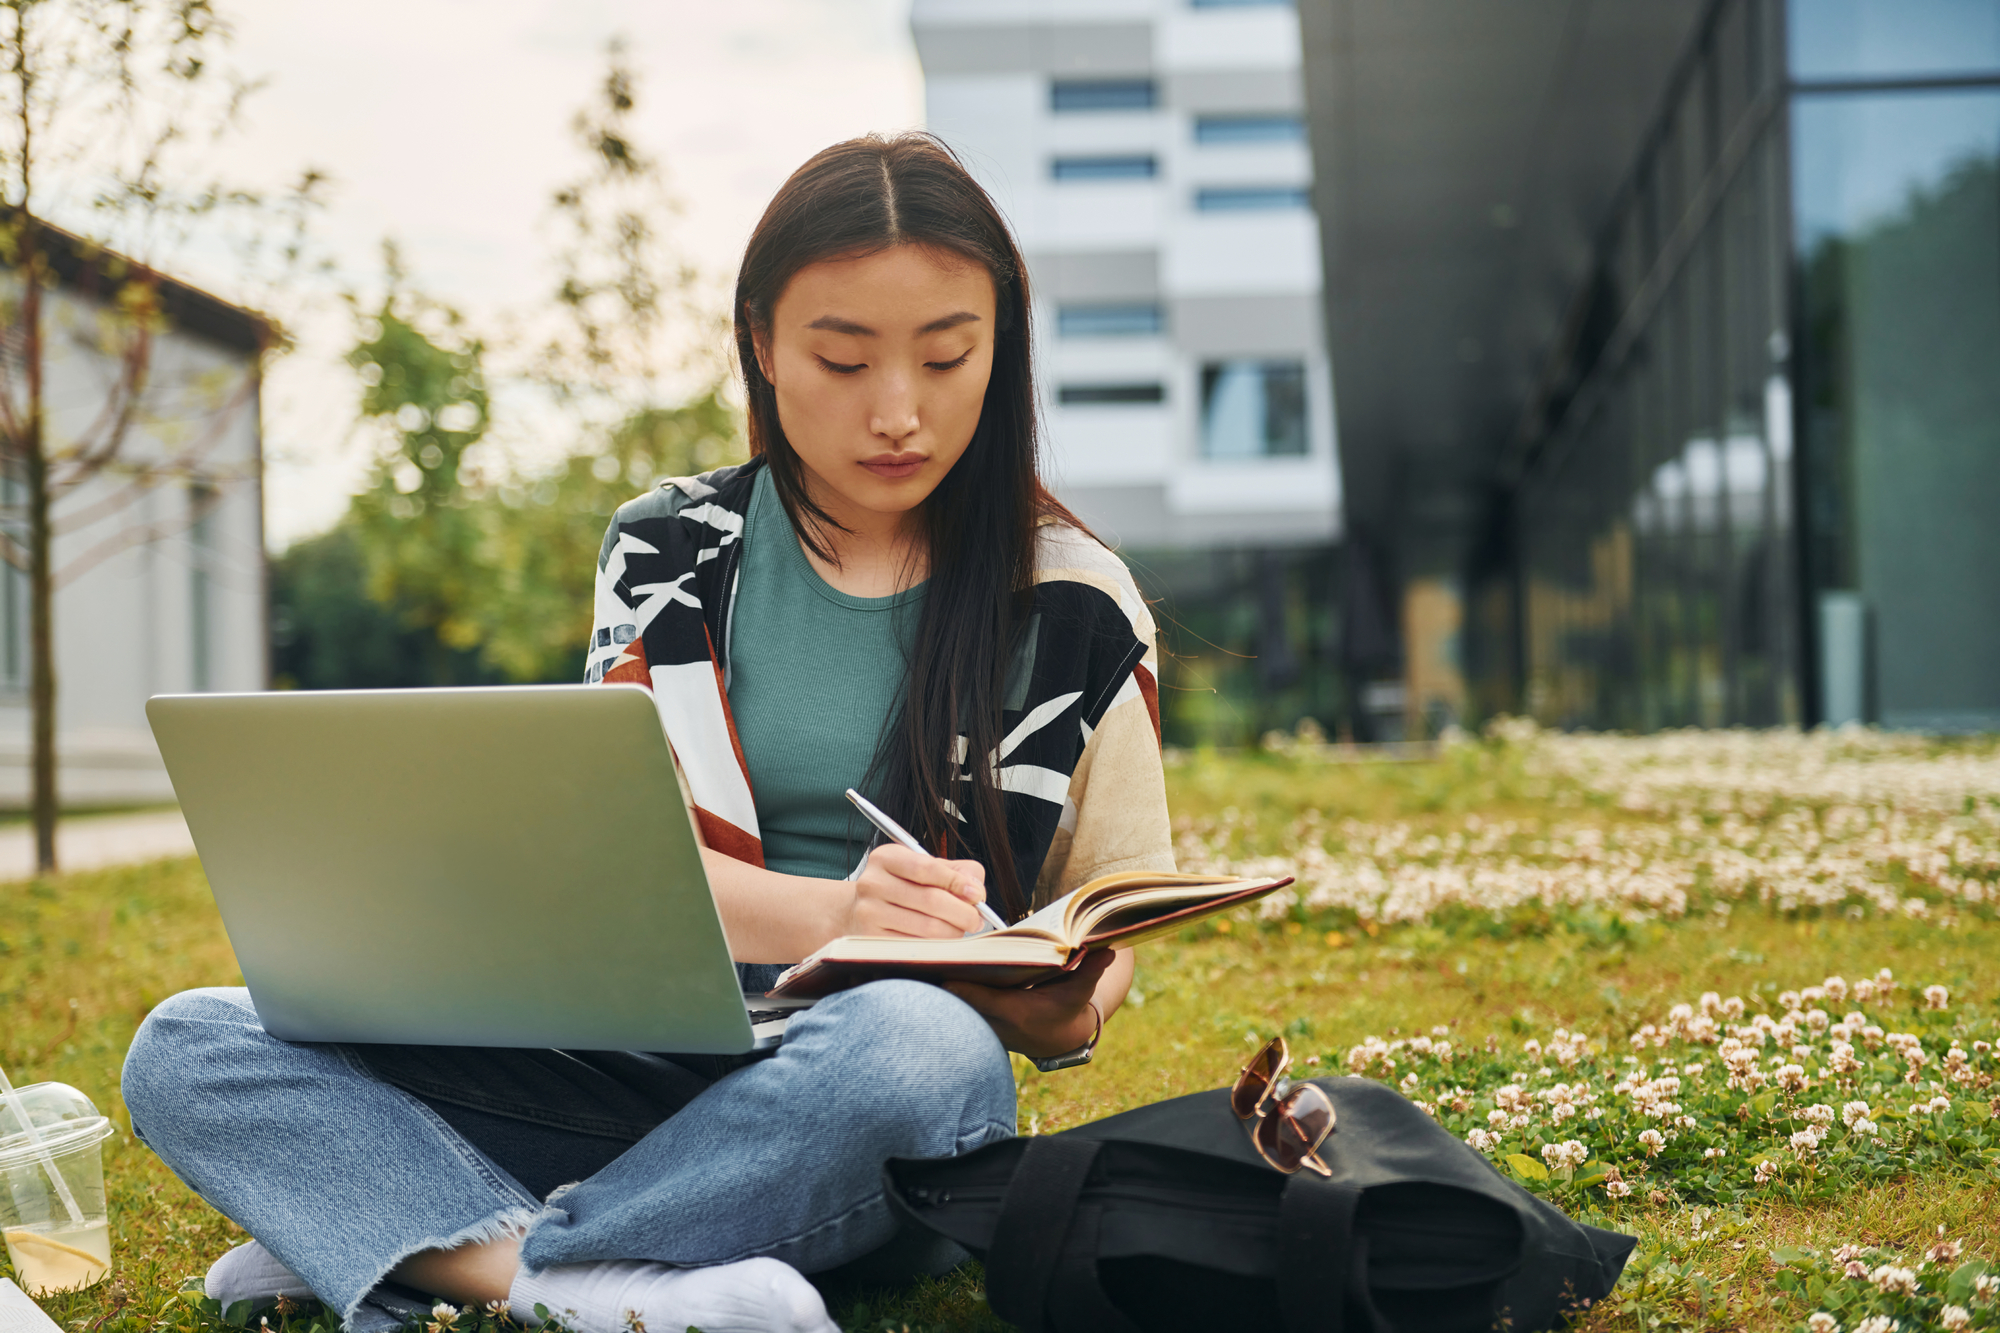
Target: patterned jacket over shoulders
{"type": "Point", "coordinates": [1080, 715]}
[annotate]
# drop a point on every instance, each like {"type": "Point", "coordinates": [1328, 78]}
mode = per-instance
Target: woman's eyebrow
{"type": "Point", "coordinates": [949, 322]}
{"type": "Point", "coordinates": [835, 324]}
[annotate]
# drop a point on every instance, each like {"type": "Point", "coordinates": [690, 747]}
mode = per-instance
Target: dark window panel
{"type": "Point", "coordinates": [1227, 130]}
{"type": "Point", "coordinates": [1121, 167]}
{"type": "Point", "coordinates": [1102, 95]}
{"type": "Point", "coordinates": [1253, 409]}
{"type": "Point", "coordinates": [1104, 395]}
{"type": "Point", "coordinates": [1136, 320]}
{"type": "Point", "coordinates": [1250, 198]}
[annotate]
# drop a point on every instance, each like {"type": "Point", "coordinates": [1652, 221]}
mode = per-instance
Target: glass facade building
{"type": "Point", "coordinates": [1759, 482]}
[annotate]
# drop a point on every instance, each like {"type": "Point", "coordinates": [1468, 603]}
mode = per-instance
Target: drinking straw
{"type": "Point", "coordinates": [13, 1100]}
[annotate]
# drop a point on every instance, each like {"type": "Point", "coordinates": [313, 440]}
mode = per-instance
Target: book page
{"type": "Point", "coordinates": [19, 1314]}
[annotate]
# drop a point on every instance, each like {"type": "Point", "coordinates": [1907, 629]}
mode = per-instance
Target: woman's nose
{"type": "Point", "coordinates": [895, 414]}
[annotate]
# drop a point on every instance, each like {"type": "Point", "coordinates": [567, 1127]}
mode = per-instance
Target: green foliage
{"type": "Point", "coordinates": [1716, 1252]}
{"type": "Point", "coordinates": [487, 567]}
{"type": "Point", "coordinates": [327, 633]}
{"type": "Point", "coordinates": [540, 542]}
{"type": "Point", "coordinates": [419, 539]}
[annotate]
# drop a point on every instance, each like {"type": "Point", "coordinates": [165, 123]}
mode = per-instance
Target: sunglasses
{"type": "Point", "coordinates": [1289, 1121]}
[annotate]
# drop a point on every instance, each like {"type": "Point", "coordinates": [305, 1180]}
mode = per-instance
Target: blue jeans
{"type": "Point", "coordinates": [344, 1160]}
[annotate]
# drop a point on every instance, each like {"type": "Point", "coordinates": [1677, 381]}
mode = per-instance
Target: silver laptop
{"type": "Point", "coordinates": [470, 867]}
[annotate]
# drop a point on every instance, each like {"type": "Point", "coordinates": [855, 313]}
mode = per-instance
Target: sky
{"type": "Point", "coordinates": [444, 125]}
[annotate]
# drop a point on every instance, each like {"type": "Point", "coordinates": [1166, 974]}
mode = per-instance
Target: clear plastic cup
{"type": "Point", "coordinates": [51, 1250]}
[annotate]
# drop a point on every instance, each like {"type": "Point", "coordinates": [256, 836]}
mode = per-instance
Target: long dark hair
{"type": "Point", "coordinates": [858, 198]}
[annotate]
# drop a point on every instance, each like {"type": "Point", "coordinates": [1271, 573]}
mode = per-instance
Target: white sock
{"type": "Point", "coordinates": [250, 1273]}
{"type": "Point", "coordinates": [749, 1296]}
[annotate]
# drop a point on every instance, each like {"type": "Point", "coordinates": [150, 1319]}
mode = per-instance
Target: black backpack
{"type": "Point", "coordinates": [1166, 1218]}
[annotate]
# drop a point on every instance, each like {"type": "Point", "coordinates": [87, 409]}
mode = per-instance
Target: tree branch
{"type": "Point", "coordinates": [126, 538]}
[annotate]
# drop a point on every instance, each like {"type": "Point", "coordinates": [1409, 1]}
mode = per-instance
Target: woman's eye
{"type": "Point", "coordinates": [963, 357]}
{"type": "Point", "coordinates": [836, 368]}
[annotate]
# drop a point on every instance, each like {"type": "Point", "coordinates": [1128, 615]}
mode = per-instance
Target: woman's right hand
{"type": "Point", "coordinates": [901, 892]}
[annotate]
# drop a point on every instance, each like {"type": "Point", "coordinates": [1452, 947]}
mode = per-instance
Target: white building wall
{"type": "Point", "coordinates": [1232, 285]}
{"type": "Point", "coordinates": [127, 627]}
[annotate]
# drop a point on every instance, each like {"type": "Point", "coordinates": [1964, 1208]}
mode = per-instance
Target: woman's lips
{"type": "Point", "coordinates": [895, 467]}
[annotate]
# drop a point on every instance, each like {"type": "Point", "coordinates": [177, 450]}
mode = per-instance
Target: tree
{"type": "Point", "coordinates": [105, 106]}
{"type": "Point", "coordinates": [423, 382]}
{"type": "Point", "coordinates": [499, 558]}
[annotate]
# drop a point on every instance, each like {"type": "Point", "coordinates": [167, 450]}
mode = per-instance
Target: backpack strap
{"type": "Point", "coordinates": [1034, 1225]}
{"type": "Point", "coordinates": [1316, 1253]}
{"type": "Point", "coordinates": [1081, 1305]}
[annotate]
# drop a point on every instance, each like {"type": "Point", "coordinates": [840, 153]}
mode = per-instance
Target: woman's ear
{"type": "Point", "coordinates": [760, 342]}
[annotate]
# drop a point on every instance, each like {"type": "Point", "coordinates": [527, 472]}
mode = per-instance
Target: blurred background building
{"type": "Point", "coordinates": [1152, 157]}
{"type": "Point", "coordinates": [1668, 337]}
{"type": "Point", "coordinates": [158, 550]}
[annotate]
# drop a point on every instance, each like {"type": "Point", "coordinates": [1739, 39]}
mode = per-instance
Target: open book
{"type": "Point", "coordinates": [1112, 911]}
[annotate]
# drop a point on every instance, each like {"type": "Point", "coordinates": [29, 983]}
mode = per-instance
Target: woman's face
{"type": "Point", "coordinates": [880, 365]}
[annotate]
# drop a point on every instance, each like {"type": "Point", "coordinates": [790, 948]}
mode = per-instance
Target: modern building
{"type": "Point", "coordinates": [1668, 337]}
{"type": "Point", "coordinates": [1152, 158]}
{"type": "Point", "coordinates": [159, 556]}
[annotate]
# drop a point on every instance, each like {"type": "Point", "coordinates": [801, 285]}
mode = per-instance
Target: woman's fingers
{"type": "Point", "coordinates": [966, 879]}
{"type": "Point", "coordinates": [926, 893]}
{"type": "Point", "coordinates": [892, 918]}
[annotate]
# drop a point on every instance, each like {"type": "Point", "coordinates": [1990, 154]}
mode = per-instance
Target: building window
{"type": "Point", "coordinates": [1123, 167]}
{"type": "Point", "coordinates": [1250, 198]}
{"type": "Point", "coordinates": [1253, 409]}
{"type": "Point", "coordinates": [1140, 320]}
{"type": "Point", "coordinates": [1101, 95]}
{"type": "Point", "coordinates": [1110, 395]}
{"type": "Point", "coordinates": [13, 601]}
{"type": "Point", "coordinates": [1227, 131]}
{"type": "Point", "coordinates": [202, 497]}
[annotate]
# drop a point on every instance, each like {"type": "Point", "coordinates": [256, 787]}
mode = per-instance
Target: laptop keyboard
{"type": "Point", "coordinates": [769, 1015]}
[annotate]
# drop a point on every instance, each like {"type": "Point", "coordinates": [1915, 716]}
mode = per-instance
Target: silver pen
{"type": "Point", "coordinates": [897, 833]}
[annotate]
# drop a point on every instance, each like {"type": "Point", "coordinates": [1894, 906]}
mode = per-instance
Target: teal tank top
{"type": "Point", "coordinates": [815, 677]}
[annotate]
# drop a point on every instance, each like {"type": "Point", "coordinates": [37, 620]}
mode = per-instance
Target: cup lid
{"type": "Point", "coordinates": [64, 1119]}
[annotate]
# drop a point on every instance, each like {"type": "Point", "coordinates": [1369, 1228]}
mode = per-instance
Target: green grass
{"type": "Point", "coordinates": [85, 957]}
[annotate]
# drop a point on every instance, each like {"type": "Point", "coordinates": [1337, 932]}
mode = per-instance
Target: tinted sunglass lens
{"type": "Point", "coordinates": [1255, 1081]}
{"type": "Point", "coordinates": [1280, 1145]}
{"type": "Point", "coordinates": [1308, 1116]}
{"type": "Point", "coordinates": [1294, 1128]}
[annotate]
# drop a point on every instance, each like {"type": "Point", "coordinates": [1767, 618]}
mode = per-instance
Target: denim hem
{"type": "Point", "coordinates": [508, 1223]}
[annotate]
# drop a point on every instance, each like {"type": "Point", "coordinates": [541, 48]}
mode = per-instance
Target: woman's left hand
{"type": "Point", "coordinates": [1054, 1017]}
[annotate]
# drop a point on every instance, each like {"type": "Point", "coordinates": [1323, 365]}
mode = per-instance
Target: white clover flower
{"type": "Point", "coordinates": [1894, 1281]}
{"type": "Point", "coordinates": [1482, 1141]}
{"type": "Point", "coordinates": [1936, 997]}
{"type": "Point", "coordinates": [1955, 1318]}
{"type": "Point", "coordinates": [1867, 1128]}
{"type": "Point", "coordinates": [1617, 1189]}
{"type": "Point", "coordinates": [1652, 1141]}
{"type": "Point", "coordinates": [1822, 1322]}
{"type": "Point", "coordinates": [1566, 1156]}
{"type": "Point", "coordinates": [1848, 1253]}
{"type": "Point", "coordinates": [1945, 1250]}
{"type": "Point", "coordinates": [1852, 1112]}
{"type": "Point", "coordinates": [1986, 1287]}
{"type": "Point", "coordinates": [1879, 1323]}
{"type": "Point", "coordinates": [443, 1312]}
{"type": "Point", "coordinates": [1497, 1119]}
{"type": "Point", "coordinates": [1819, 1113]}
{"type": "Point", "coordinates": [1714, 1152]}
{"type": "Point", "coordinates": [1792, 1078]}
{"type": "Point", "coordinates": [1766, 1169]}
{"type": "Point", "coordinates": [1835, 989]}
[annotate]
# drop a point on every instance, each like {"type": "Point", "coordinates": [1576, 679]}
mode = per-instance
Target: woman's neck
{"type": "Point", "coordinates": [878, 554]}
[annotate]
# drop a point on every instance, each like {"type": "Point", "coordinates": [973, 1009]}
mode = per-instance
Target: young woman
{"type": "Point", "coordinates": [885, 597]}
